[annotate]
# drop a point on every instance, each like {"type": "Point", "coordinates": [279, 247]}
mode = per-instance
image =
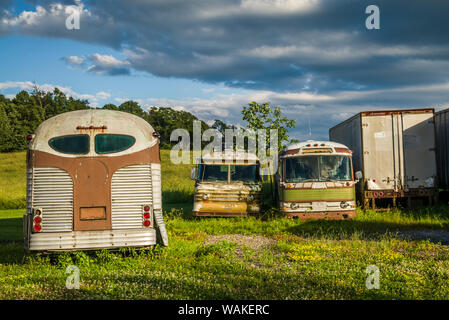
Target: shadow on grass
{"type": "Point", "coordinates": [340, 229]}
{"type": "Point", "coordinates": [239, 287]}
{"type": "Point", "coordinates": [177, 196]}
{"type": "Point", "coordinates": [11, 229]}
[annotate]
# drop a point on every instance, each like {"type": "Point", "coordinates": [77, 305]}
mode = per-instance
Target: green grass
{"type": "Point", "coordinates": [12, 180]}
{"type": "Point", "coordinates": [236, 258]}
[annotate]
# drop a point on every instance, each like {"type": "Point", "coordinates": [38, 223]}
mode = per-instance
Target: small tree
{"type": "Point", "coordinates": [264, 116]}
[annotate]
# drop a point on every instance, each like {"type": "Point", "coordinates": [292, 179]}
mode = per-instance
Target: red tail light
{"type": "Point", "coordinates": [381, 194]}
{"type": "Point", "coordinates": [376, 194]}
{"type": "Point", "coordinates": [146, 216]}
{"type": "Point", "coordinates": [37, 220]}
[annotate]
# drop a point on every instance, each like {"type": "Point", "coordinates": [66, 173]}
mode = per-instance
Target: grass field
{"type": "Point", "coordinates": [237, 258]}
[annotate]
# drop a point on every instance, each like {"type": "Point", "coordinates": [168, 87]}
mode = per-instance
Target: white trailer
{"type": "Point", "coordinates": [394, 153]}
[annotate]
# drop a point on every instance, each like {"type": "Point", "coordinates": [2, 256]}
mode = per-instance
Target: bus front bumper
{"type": "Point", "coordinates": [225, 209]}
{"type": "Point", "coordinates": [329, 215]}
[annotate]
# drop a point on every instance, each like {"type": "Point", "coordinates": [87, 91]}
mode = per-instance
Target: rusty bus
{"type": "Point", "coordinates": [315, 180]}
{"type": "Point", "coordinates": [227, 184]}
{"type": "Point", "coordinates": [93, 182]}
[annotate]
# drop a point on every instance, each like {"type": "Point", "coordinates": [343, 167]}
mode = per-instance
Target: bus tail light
{"type": "Point", "coordinates": [37, 220]}
{"type": "Point", "coordinates": [146, 216]}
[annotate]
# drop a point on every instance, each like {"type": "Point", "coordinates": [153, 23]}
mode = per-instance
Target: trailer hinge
{"type": "Point", "coordinates": [365, 152]}
{"type": "Point", "coordinates": [364, 124]}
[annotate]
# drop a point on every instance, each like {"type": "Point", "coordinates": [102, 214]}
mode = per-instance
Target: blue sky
{"type": "Point", "coordinates": [313, 58]}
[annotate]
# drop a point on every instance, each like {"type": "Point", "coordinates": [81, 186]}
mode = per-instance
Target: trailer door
{"type": "Point", "coordinates": [378, 158]}
{"type": "Point", "coordinates": [419, 149]}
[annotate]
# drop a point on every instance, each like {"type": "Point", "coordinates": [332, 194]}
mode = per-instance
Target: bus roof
{"type": "Point", "coordinates": [303, 144]}
{"type": "Point", "coordinates": [92, 122]}
{"type": "Point", "coordinates": [310, 147]}
{"type": "Point", "coordinates": [230, 155]}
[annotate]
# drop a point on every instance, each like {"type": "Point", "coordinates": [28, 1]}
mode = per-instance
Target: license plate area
{"type": "Point", "coordinates": [93, 213]}
{"type": "Point", "coordinates": [319, 206]}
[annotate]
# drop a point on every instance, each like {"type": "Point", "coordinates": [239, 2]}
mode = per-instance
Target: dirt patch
{"type": "Point", "coordinates": [255, 242]}
{"type": "Point", "coordinates": [431, 235]}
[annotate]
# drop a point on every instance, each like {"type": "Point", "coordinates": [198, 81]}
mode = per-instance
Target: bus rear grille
{"type": "Point", "coordinates": [130, 189]}
{"type": "Point", "coordinates": [52, 190]}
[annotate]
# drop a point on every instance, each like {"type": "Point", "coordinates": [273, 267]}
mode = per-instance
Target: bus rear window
{"type": "Point", "coordinates": [110, 143]}
{"type": "Point", "coordinates": [75, 144]}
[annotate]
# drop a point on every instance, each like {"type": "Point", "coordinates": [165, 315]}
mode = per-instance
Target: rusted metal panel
{"type": "Point", "coordinates": [330, 215]}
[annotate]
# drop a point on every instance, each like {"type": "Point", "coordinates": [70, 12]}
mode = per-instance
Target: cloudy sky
{"type": "Point", "coordinates": [314, 58]}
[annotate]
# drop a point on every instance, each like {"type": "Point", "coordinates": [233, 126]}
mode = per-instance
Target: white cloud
{"type": "Point", "coordinates": [29, 86]}
{"type": "Point", "coordinates": [75, 61]}
{"type": "Point", "coordinates": [102, 95]}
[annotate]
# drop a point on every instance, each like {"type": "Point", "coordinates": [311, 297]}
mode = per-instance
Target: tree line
{"type": "Point", "coordinates": [22, 114]}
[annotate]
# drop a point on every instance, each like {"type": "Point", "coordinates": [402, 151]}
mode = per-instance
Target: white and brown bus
{"type": "Point", "coordinates": [93, 182]}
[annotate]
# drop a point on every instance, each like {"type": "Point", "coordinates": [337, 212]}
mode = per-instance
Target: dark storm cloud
{"type": "Point", "coordinates": [279, 45]}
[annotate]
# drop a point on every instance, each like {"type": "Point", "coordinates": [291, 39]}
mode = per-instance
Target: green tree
{"type": "Point", "coordinates": [110, 106]}
{"type": "Point", "coordinates": [132, 107]}
{"type": "Point", "coordinates": [221, 126]}
{"type": "Point", "coordinates": [6, 130]}
{"type": "Point", "coordinates": [164, 120]}
{"type": "Point", "coordinates": [264, 116]}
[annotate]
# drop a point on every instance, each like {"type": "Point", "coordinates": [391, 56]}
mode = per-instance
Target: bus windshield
{"type": "Point", "coordinates": [317, 168]}
{"type": "Point", "coordinates": [212, 172]}
{"type": "Point", "coordinates": [244, 173]}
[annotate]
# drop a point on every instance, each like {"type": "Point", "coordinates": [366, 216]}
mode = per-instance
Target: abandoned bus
{"type": "Point", "coordinates": [227, 184]}
{"type": "Point", "coordinates": [315, 181]}
{"type": "Point", "coordinates": [93, 182]}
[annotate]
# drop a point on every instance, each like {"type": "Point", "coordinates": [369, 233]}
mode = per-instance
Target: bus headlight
{"type": "Point", "coordinates": [206, 196]}
{"type": "Point", "coordinates": [344, 204]}
{"type": "Point", "coordinates": [294, 206]}
{"type": "Point", "coordinates": [250, 197]}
